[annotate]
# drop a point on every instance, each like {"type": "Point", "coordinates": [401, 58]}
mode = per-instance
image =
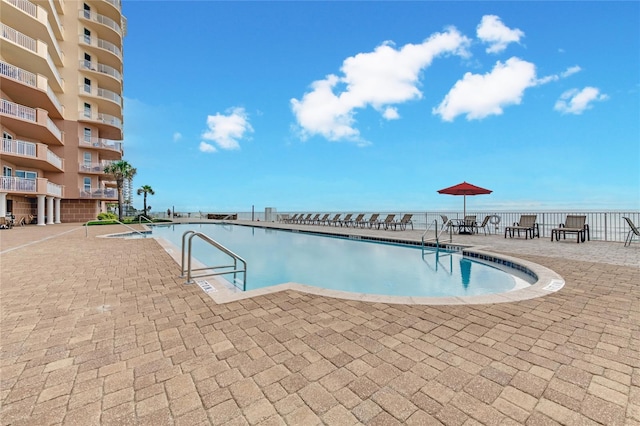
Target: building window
{"type": "Point", "coordinates": [87, 85]}
{"type": "Point", "coordinates": [87, 36]}
{"type": "Point", "coordinates": [87, 110]}
{"type": "Point", "coordinates": [6, 171]}
{"type": "Point", "coordinates": [87, 185]}
{"type": "Point", "coordinates": [26, 174]}
{"type": "Point", "coordinates": [87, 11]}
{"type": "Point", "coordinates": [87, 135]}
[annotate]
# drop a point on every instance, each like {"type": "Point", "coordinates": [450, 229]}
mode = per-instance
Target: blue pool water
{"type": "Point", "coordinates": [278, 256]}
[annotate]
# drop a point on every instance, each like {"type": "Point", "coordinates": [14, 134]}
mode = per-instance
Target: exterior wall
{"type": "Point", "coordinates": [78, 210]}
{"type": "Point", "coordinates": [44, 103]}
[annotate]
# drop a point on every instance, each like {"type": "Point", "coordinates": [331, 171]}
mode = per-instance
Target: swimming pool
{"type": "Point", "coordinates": [279, 256]}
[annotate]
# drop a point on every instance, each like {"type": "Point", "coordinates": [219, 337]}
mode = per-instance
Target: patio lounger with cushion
{"type": "Point", "coordinates": [632, 232]}
{"type": "Point", "coordinates": [446, 223]}
{"type": "Point", "coordinates": [573, 224]}
{"type": "Point", "coordinates": [527, 223]}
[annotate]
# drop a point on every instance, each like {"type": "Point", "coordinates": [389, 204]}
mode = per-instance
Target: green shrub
{"type": "Point", "coordinates": [107, 216]}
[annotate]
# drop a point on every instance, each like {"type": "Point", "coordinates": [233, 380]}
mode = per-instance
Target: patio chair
{"type": "Point", "coordinates": [373, 220]}
{"type": "Point", "coordinates": [483, 226]}
{"type": "Point", "coordinates": [312, 220]}
{"type": "Point", "coordinates": [403, 222]}
{"type": "Point", "coordinates": [345, 221]}
{"type": "Point", "coordinates": [446, 223]}
{"type": "Point", "coordinates": [573, 224]}
{"type": "Point", "coordinates": [633, 231]}
{"type": "Point", "coordinates": [527, 223]}
{"type": "Point", "coordinates": [387, 222]}
{"type": "Point", "coordinates": [358, 221]}
{"type": "Point", "coordinates": [302, 219]}
{"type": "Point", "coordinates": [292, 219]}
{"type": "Point", "coordinates": [333, 221]}
{"type": "Point", "coordinates": [467, 225]}
{"type": "Point", "coordinates": [322, 219]}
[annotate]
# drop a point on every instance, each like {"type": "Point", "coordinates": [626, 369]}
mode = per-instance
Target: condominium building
{"type": "Point", "coordinates": [61, 110]}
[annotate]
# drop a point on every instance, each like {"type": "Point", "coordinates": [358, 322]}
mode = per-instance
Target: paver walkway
{"type": "Point", "coordinates": [102, 331]}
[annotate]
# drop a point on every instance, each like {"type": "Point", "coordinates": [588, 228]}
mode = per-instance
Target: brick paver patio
{"type": "Point", "coordinates": [103, 331]}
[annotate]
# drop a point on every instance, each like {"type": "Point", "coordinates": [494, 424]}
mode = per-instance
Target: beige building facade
{"type": "Point", "coordinates": [61, 112]}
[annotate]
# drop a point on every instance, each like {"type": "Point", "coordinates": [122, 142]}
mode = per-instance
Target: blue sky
{"type": "Point", "coordinates": [341, 106]}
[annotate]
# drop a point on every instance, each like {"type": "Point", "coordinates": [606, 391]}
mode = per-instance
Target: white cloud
{"type": "Point", "coordinates": [226, 130]}
{"type": "Point", "coordinates": [555, 77]}
{"type": "Point", "coordinates": [177, 136]}
{"type": "Point", "coordinates": [576, 101]}
{"type": "Point", "coordinates": [492, 31]}
{"type": "Point", "coordinates": [391, 113]}
{"type": "Point", "coordinates": [571, 70]}
{"type": "Point", "coordinates": [380, 79]}
{"type": "Point", "coordinates": [207, 147]}
{"type": "Point", "coordinates": [479, 96]}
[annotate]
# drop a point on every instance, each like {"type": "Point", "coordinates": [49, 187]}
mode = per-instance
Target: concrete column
{"type": "Point", "coordinates": [56, 204]}
{"type": "Point", "coordinates": [41, 209]}
{"type": "Point", "coordinates": [50, 211]}
{"type": "Point", "coordinates": [3, 204]}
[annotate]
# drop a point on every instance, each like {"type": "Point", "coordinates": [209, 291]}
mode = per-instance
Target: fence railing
{"type": "Point", "coordinates": [604, 226]}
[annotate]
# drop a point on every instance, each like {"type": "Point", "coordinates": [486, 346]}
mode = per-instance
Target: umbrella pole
{"type": "Point", "coordinates": [464, 211]}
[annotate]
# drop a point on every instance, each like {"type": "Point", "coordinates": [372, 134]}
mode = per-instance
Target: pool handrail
{"type": "Point", "coordinates": [86, 227]}
{"type": "Point", "coordinates": [438, 233]}
{"type": "Point", "coordinates": [145, 218]}
{"type": "Point", "coordinates": [191, 278]}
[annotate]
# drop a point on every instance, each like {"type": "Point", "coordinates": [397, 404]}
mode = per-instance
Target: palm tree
{"type": "Point", "coordinates": [145, 189]}
{"type": "Point", "coordinates": [121, 171]}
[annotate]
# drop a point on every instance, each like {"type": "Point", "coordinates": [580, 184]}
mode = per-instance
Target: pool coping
{"type": "Point", "coordinates": [548, 281]}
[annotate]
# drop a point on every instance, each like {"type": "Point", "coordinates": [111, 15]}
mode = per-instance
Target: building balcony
{"type": "Point", "coordinates": [108, 101]}
{"type": "Point", "coordinates": [108, 52]}
{"type": "Point", "coordinates": [31, 155]}
{"type": "Point", "coordinates": [30, 54]}
{"type": "Point", "coordinates": [26, 86]}
{"type": "Point", "coordinates": [99, 193]}
{"type": "Point", "coordinates": [109, 149]}
{"type": "Point", "coordinates": [94, 168]}
{"type": "Point", "coordinates": [32, 123]}
{"type": "Point", "coordinates": [108, 125]}
{"type": "Point", "coordinates": [24, 186]}
{"type": "Point", "coordinates": [110, 29]}
{"type": "Point", "coordinates": [106, 75]}
{"type": "Point", "coordinates": [35, 20]}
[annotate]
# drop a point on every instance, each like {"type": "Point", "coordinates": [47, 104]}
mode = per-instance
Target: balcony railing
{"type": "Point", "coordinates": [54, 159]}
{"type": "Point", "coordinates": [20, 111]}
{"type": "Point", "coordinates": [18, 38]}
{"type": "Point", "coordinates": [102, 44]}
{"type": "Point", "coordinates": [54, 129]}
{"type": "Point", "coordinates": [105, 69]}
{"type": "Point", "coordinates": [23, 76]}
{"type": "Point", "coordinates": [29, 149]}
{"type": "Point", "coordinates": [54, 189]}
{"type": "Point", "coordinates": [18, 184]}
{"type": "Point", "coordinates": [101, 19]}
{"type": "Point", "coordinates": [25, 6]}
{"type": "Point", "coordinates": [103, 144]}
{"type": "Point", "coordinates": [109, 193]}
{"type": "Point", "coordinates": [18, 147]}
{"type": "Point", "coordinates": [94, 167]}
{"type": "Point", "coordinates": [102, 93]}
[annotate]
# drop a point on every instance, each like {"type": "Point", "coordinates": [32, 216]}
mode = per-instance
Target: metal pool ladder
{"type": "Point", "coordinates": [438, 234]}
{"type": "Point", "coordinates": [213, 270]}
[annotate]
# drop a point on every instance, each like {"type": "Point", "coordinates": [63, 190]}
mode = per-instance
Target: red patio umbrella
{"type": "Point", "coordinates": [464, 189]}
